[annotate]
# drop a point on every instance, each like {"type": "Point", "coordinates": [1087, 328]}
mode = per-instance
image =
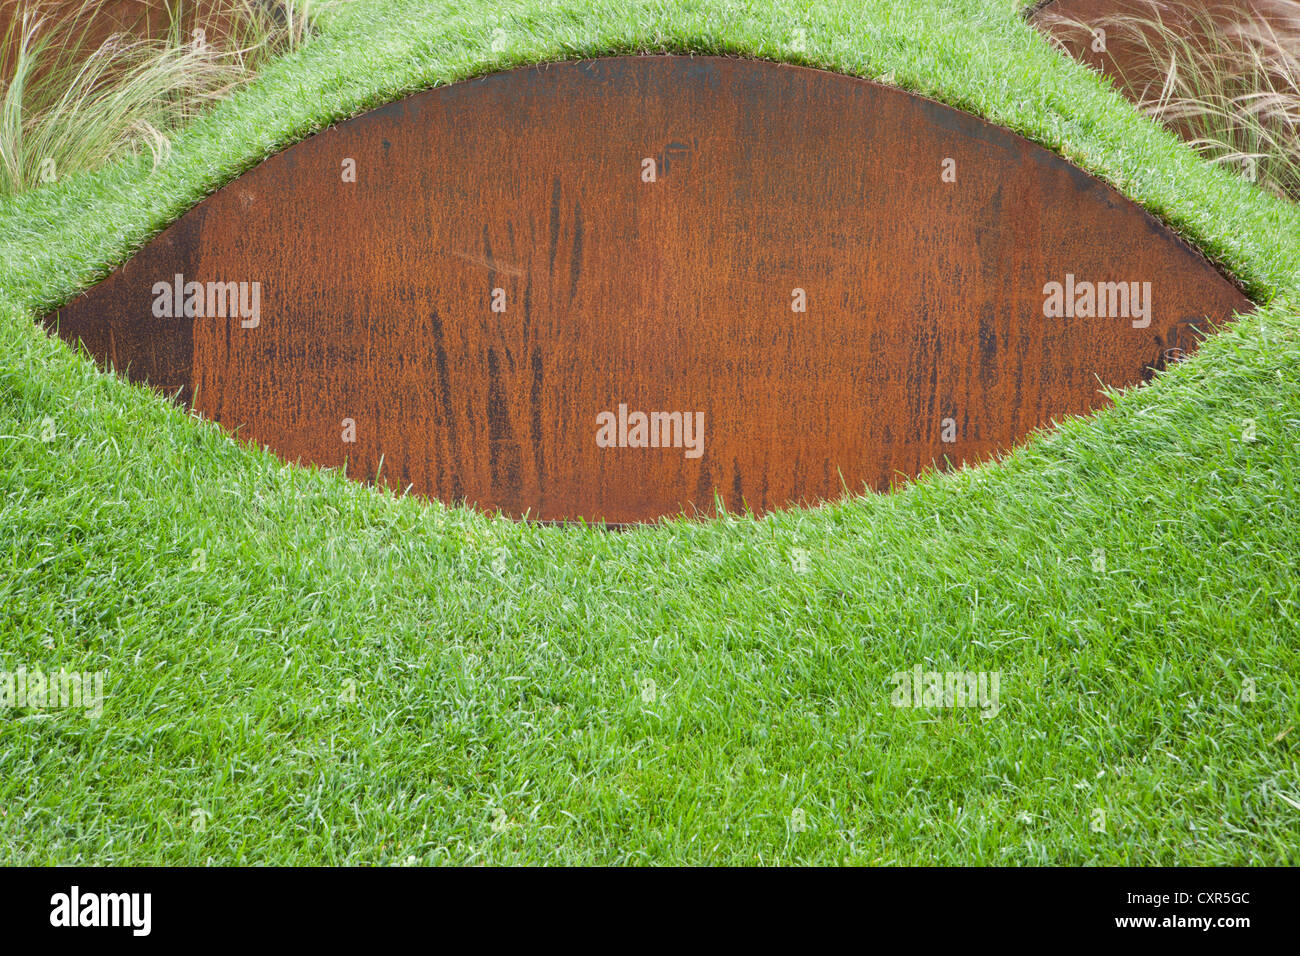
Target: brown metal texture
{"type": "Point", "coordinates": [85, 27]}
{"type": "Point", "coordinates": [1136, 56]}
{"type": "Point", "coordinates": [843, 283]}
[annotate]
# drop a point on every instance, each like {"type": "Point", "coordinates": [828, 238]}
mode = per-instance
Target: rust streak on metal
{"type": "Point", "coordinates": [924, 339]}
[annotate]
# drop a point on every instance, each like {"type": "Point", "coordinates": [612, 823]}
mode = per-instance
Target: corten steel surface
{"type": "Point", "coordinates": [925, 298]}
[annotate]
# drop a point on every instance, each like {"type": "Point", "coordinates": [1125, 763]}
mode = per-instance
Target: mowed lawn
{"type": "Point", "coordinates": [299, 669]}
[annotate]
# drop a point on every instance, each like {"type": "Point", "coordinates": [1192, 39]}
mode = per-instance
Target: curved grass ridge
{"type": "Point", "coordinates": [670, 694]}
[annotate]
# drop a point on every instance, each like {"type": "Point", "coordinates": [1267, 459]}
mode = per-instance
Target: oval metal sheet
{"type": "Point", "coordinates": [522, 256]}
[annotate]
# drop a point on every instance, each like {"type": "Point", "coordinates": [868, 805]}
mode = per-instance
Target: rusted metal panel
{"type": "Point", "coordinates": [619, 292]}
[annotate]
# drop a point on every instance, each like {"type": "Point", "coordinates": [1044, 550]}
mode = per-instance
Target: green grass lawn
{"type": "Point", "coordinates": [302, 669]}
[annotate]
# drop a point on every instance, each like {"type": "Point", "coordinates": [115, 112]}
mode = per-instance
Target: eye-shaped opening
{"type": "Point", "coordinates": [626, 288]}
